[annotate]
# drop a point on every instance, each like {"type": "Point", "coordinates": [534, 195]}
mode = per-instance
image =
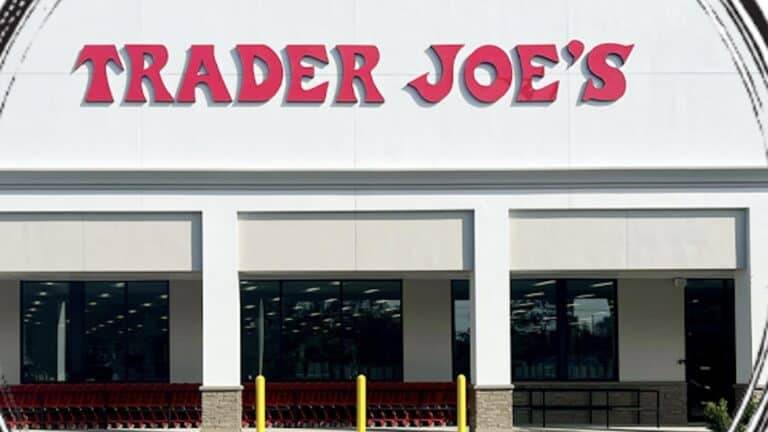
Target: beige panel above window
{"type": "Point", "coordinates": [627, 240]}
{"type": "Point", "coordinates": [378, 241]}
{"type": "Point", "coordinates": [99, 242]}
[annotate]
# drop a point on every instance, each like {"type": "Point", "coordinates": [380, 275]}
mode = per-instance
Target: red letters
{"type": "Point", "coordinates": [434, 93]}
{"type": "Point", "coordinates": [356, 63]}
{"type": "Point", "coordinates": [159, 57]}
{"type": "Point", "coordinates": [529, 72]}
{"type": "Point", "coordinates": [496, 57]}
{"type": "Point", "coordinates": [250, 91]}
{"type": "Point", "coordinates": [614, 82]}
{"type": "Point", "coordinates": [99, 56]}
{"type": "Point", "coordinates": [296, 92]}
{"type": "Point", "coordinates": [370, 58]}
{"type": "Point", "coordinates": [202, 57]}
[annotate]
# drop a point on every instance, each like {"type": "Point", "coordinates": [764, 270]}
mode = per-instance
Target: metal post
{"type": "Point", "coordinates": [362, 418]}
{"type": "Point", "coordinates": [3, 426]}
{"type": "Point", "coordinates": [461, 403]}
{"type": "Point", "coordinates": [261, 404]}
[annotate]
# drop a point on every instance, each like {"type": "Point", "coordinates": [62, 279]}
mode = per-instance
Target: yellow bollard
{"type": "Point", "coordinates": [362, 418]}
{"type": "Point", "coordinates": [261, 404]}
{"type": "Point", "coordinates": [461, 403]}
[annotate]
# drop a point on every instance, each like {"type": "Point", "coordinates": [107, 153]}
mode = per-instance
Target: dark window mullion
{"type": "Point", "coordinates": [562, 329]}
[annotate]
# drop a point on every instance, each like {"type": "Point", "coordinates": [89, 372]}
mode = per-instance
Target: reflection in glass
{"type": "Point", "coordinates": [591, 324]}
{"type": "Point", "coordinates": [311, 331]}
{"type": "Point", "coordinates": [260, 336]}
{"type": "Point", "coordinates": [44, 312]}
{"type": "Point", "coordinates": [146, 350]}
{"type": "Point", "coordinates": [534, 329]}
{"type": "Point", "coordinates": [103, 332]}
{"type": "Point", "coordinates": [461, 328]}
{"type": "Point", "coordinates": [95, 331]}
{"type": "Point", "coordinates": [372, 329]}
{"type": "Point", "coordinates": [321, 330]}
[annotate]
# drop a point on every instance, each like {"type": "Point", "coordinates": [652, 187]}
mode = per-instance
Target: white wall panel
{"type": "Point", "coordinates": [427, 338]}
{"type": "Point", "coordinates": [627, 240]}
{"type": "Point", "coordinates": [651, 330]}
{"type": "Point", "coordinates": [398, 241]}
{"type": "Point", "coordinates": [81, 242]}
{"type": "Point", "coordinates": [10, 332]}
{"type": "Point", "coordinates": [186, 331]}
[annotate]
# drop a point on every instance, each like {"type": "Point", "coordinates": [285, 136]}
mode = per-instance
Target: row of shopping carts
{"type": "Point", "coordinates": [333, 404]}
{"type": "Point", "coordinates": [84, 406]}
{"type": "Point", "coordinates": [68, 406]}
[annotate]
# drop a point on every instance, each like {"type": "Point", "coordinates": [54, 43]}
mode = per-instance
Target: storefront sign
{"type": "Point", "coordinates": [604, 81]}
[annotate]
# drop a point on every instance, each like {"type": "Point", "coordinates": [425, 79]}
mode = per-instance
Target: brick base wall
{"type": "Point", "coordinates": [490, 409]}
{"type": "Point", "coordinates": [222, 409]}
{"type": "Point", "coordinates": [673, 405]}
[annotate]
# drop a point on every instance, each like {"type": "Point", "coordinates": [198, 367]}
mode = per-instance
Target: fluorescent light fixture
{"type": "Point", "coordinates": [275, 299]}
{"type": "Point", "coordinates": [601, 284]}
{"type": "Point", "coordinates": [545, 283]}
{"type": "Point", "coordinates": [37, 302]}
{"type": "Point", "coordinates": [132, 311]}
{"type": "Point", "coordinates": [250, 306]}
{"type": "Point", "coordinates": [93, 303]}
{"type": "Point", "coordinates": [315, 314]}
{"type": "Point", "coordinates": [110, 322]}
{"type": "Point", "coordinates": [535, 294]}
{"type": "Point", "coordinates": [251, 288]}
{"type": "Point", "coordinates": [105, 295]}
{"type": "Point", "coordinates": [164, 317]}
{"type": "Point", "coordinates": [42, 293]}
{"type": "Point", "coordinates": [585, 296]}
{"type": "Point", "coordinates": [312, 289]}
{"type": "Point", "coordinates": [163, 296]}
{"type": "Point", "coordinates": [120, 317]}
{"type": "Point", "coordinates": [119, 284]}
{"type": "Point", "coordinates": [397, 315]}
{"type": "Point", "coordinates": [147, 304]}
{"type": "Point", "coordinates": [371, 291]}
{"type": "Point", "coordinates": [32, 309]}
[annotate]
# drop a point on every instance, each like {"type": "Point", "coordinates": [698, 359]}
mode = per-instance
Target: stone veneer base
{"type": "Point", "coordinates": [222, 409]}
{"type": "Point", "coordinates": [490, 408]}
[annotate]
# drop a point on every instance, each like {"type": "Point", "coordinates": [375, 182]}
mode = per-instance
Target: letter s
{"type": "Point", "coordinates": [614, 82]}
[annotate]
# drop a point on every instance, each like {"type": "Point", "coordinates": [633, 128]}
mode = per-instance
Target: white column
{"type": "Point", "coordinates": [751, 294]}
{"type": "Point", "coordinates": [221, 300]}
{"type": "Point", "coordinates": [489, 294]}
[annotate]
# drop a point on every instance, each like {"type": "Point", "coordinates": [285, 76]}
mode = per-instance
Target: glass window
{"type": "Point", "coordinates": [533, 314]}
{"type": "Point", "coordinates": [95, 331]}
{"type": "Point", "coordinates": [311, 330]}
{"type": "Point", "coordinates": [321, 330]}
{"type": "Point", "coordinates": [260, 335]}
{"type": "Point", "coordinates": [591, 329]}
{"type": "Point", "coordinates": [563, 329]}
{"type": "Point", "coordinates": [103, 345]}
{"type": "Point", "coordinates": [461, 328]}
{"type": "Point", "coordinates": [372, 329]}
{"type": "Point", "coordinates": [45, 328]}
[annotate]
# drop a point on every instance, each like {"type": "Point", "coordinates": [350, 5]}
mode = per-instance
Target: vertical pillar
{"type": "Point", "coordinates": [221, 390]}
{"type": "Point", "coordinates": [491, 394]}
{"type": "Point", "coordinates": [751, 296]}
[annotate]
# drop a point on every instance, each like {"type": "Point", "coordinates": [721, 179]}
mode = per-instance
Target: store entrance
{"type": "Point", "coordinates": [709, 344]}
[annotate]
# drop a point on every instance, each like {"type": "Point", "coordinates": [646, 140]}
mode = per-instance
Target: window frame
{"type": "Point", "coordinates": [563, 334]}
{"type": "Point", "coordinates": [80, 285]}
{"type": "Point", "coordinates": [342, 282]}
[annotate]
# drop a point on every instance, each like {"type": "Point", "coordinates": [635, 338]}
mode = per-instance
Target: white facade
{"type": "Point", "coordinates": [667, 182]}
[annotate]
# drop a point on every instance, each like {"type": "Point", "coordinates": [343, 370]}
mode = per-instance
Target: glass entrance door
{"type": "Point", "coordinates": [709, 344]}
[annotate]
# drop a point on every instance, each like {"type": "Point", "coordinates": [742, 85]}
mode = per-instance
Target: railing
{"type": "Point", "coordinates": [592, 405]}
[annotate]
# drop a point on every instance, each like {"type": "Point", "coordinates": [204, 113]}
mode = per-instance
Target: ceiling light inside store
{"type": "Point", "coordinates": [601, 284]}
{"type": "Point", "coordinates": [42, 293]}
{"type": "Point", "coordinates": [312, 289]}
{"type": "Point", "coordinates": [535, 294]}
{"type": "Point", "coordinates": [147, 305]}
{"type": "Point", "coordinates": [585, 296]}
{"type": "Point", "coordinates": [371, 291]}
{"type": "Point", "coordinates": [251, 288]}
{"type": "Point", "coordinates": [545, 283]}
{"type": "Point", "coordinates": [105, 295]}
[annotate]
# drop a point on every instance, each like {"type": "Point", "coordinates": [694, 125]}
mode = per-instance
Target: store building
{"type": "Point", "coordinates": [583, 227]}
